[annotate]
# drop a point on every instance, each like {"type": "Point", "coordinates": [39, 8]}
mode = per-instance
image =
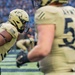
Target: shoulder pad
{"type": "Point", "coordinates": [44, 14]}
{"type": "Point", "coordinates": [11, 29]}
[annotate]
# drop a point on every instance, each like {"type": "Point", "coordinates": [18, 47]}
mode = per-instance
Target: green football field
{"type": "Point", "coordinates": [8, 66]}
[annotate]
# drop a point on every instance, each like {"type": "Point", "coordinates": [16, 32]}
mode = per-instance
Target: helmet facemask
{"type": "Point", "coordinates": [22, 28]}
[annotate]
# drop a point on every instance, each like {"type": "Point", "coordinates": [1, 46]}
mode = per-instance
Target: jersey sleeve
{"type": "Point", "coordinates": [45, 15]}
{"type": "Point", "coordinates": [10, 29]}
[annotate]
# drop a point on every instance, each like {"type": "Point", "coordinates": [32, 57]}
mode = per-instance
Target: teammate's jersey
{"type": "Point", "coordinates": [13, 31]}
{"type": "Point", "coordinates": [62, 56]}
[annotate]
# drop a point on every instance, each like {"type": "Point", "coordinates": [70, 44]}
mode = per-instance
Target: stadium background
{"type": "Point", "coordinates": [8, 65]}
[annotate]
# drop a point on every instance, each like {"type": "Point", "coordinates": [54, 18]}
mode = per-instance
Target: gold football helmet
{"type": "Point", "coordinates": [18, 18]}
{"type": "Point", "coordinates": [46, 2]}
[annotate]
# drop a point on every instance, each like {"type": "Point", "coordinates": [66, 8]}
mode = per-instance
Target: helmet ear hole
{"type": "Point", "coordinates": [17, 22]}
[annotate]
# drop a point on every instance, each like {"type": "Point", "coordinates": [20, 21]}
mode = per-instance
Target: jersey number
{"type": "Point", "coordinates": [66, 30]}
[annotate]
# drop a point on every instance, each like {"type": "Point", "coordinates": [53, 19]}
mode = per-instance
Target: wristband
{"type": "Point", "coordinates": [25, 58]}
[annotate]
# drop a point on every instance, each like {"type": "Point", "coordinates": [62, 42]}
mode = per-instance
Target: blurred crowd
{"type": "Point", "coordinates": [7, 5]}
{"type": "Point", "coordinates": [72, 3]}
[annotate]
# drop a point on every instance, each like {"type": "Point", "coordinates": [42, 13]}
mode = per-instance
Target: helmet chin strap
{"type": "Point", "coordinates": [19, 30]}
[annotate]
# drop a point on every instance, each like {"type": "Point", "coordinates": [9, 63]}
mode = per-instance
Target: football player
{"type": "Point", "coordinates": [25, 44]}
{"type": "Point", "coordinates": [10, 30]}
{"type": "Point", "coordinates": [55, 49]}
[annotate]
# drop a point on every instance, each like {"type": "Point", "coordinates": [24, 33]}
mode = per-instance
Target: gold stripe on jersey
{"type": "Point", "coordinates": [40, 16]}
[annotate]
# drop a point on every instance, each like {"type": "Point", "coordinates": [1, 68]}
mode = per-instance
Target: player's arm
{"type": "Point", "coordinates": [44, 44]}
{"type": "Point", "coordinates": [4, 37]}
{"type": "Point", "coordinates": [43, 47]}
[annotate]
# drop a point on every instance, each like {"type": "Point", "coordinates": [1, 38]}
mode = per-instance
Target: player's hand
{"type": "Point", "coordinates": [20, 59]}
{"type": "Point", "coordinates": [25, 44]}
